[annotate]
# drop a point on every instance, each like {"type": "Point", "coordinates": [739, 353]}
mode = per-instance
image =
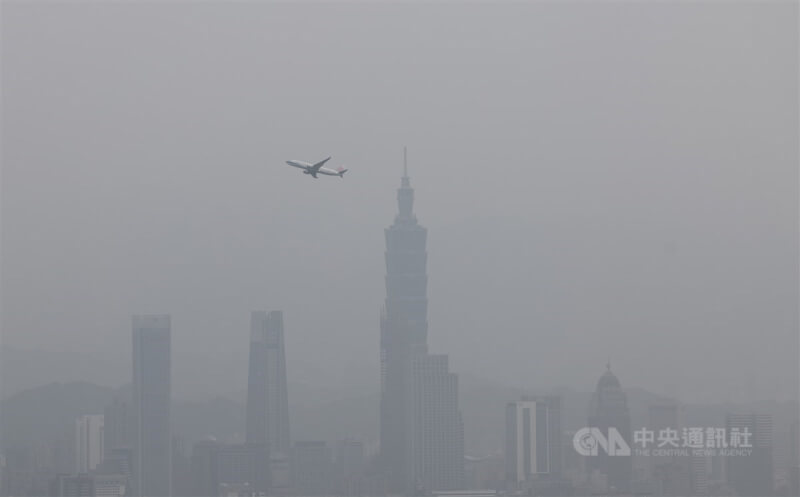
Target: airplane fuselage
{"type": "Point", "coordinates": [309, 168]}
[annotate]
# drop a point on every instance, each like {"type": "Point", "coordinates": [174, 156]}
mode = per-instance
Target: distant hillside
{"type": "Point", "coordinates": [22, 369]}
{"type": "Point", "coordinates": [43, 413]}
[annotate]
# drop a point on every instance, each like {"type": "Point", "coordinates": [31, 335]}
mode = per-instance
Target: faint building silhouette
{"type": "Point", "coordinates": [485, 472]}
{"type": "Point", "coordinates": [88, 442]}
{"type": "Point", "coordinates": [794, 459]}
{"type": "Point", "coordinates": [239, 468]}
{"type": "Point", "coordinates": [203, 459]}
{"type": "Point", "coordinates": [311, 468]}
{"type": "Point", "coordinates": [267, 414]}
{"type": "Point", "coordinates": [609, 409]}
{"type": "Point", "coordinates": [17, 470]}
{"type": "Point", "coordinates": [404, 331]}
{"type": "Point", "coordinates": [533, 439]}
{"type": "Point", "coordinates": [80, 485]}
{"type": "Point", "coordinates": [698, 474]}
{"type": "Point", "coordinates": [267, 419]}
{"type": "Point", "coordinates": [280, 478]}
{"type": "Point", "coordinates": [421, 431]}
{"type": "Point", "coordinates": [228, 469]}
{"type": "Point", "coordinates": [181, 469]}
{"type": "Point", "coordinates": [152, 432]}
{"type": "Point", "coordinates": [349, 467]}
{"type": "Point", "coordinates": [116, 427]}
{"type": "Point", "coordinates": [118, 462]}
{"type": "Point", "coordinates": [438, 427]}
{"type": "Point", "coordinates": [87, 485]}
{"type": "Point", "coordinates": [110, 485]}
{"type": "Point", "coordinates": [670, 474]}
{"type": "Point", "coordinates": [751, 474]}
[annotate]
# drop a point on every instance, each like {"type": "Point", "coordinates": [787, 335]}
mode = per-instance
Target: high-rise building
{"type": "Point", "coordinates": [533, 439]}
{"type": "Point", "coordinates": [349, 467]}
{"type": "Point", "coordinates": [181, 468]}
{"type": "Point", "coordinates": [670, 474]}
{"type": "Point", "coordinates": [438, 427]}
{"type": "Point", "coordinates": [698, 474]}
{"type": "Point", "coordinates": [204, 453]}
{"type": "Point", "coordinates": [110, 485]}
{"type": "Point", "coordinates": [152, 432]}
{"type": "Point", "coordinates": [267, 397]}
{"type": "Point", "coordinates": [64, 485]}
{"type": "Point", "coordinates": [3, 474]}
{"type": "Point", "coordinates": [280, 478]}
{"type": "Point", "coordinates": [750, 474]}
{"type": "Point", "coordinates": [421, 437]}
{"type": "Point", "coordinates": [18, 471]}
{"type": "Point", "coordinates": [311, 468]}
{"type": "Point", "coordinates": [486, 472]}
{"type": "Point", "coordinates": [609, 410]}
{"type": "Point", "coordinates": [116, 427]}
{"type": "Point", "coordinates": [88, 442]}
{"type": "Point", "coordinates": [794, 458]}
{"type": "Point", "coordinates": [118, 462]}
{"type": "Point", "coordinates": [239, 469]}
{"type": "Point", "coordinates": [267, 414]}
{"type": "Point", "coordinates": [228, 469]}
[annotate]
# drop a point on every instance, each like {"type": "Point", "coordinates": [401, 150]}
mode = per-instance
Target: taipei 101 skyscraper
{"type": "Point", "coordinates": [406, 277]}
{"type": "Point", "coordinates": [422, 441]}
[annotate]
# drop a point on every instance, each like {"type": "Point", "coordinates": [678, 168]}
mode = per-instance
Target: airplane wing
{"type": "Point", "coordinates": [315, 167]}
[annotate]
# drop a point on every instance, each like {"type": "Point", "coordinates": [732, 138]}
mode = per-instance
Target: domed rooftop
{"type": "Point", "coordinates": [608, 380]}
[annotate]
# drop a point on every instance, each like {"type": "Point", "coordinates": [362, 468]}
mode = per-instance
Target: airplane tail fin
{"type": "Point", "coordinates": [341, 172]}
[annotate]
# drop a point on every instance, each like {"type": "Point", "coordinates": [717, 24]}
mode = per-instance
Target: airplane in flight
{"type": "Point", "coordinates": [314, 169]}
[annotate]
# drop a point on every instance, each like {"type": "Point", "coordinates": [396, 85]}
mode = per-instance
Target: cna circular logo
{"type": "Point", "coordinates": [584, 442]}
{"type": "Point", "coordinates": [587, 442]}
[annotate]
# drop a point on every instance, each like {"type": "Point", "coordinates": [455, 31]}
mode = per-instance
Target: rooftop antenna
{"type": "Point", "coordinates": [405, 162]}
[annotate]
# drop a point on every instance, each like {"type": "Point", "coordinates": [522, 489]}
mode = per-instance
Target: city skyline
{"type": "Point", "coordinates": [406, 203]}
{"type": "Point", "coordinates": [601, 295]}
{"type": "Point", "coordinates": [235, 467]}
{"type": "Point", "coordinates": [428, 413]}
{"type": "Point", "coordinates": [422, 436]}
{"type": "Point", "coordinates": [594, 194]}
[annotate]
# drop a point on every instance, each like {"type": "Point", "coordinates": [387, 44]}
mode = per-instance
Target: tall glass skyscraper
{"type": "Point", "coordinates": [152, 433]}
{"type": "Point", "coordinates": [267, 416]}
{"type": "Point", "coordinates": [422, 435]}
{"type": "Point", "coordinates": [609, 409]}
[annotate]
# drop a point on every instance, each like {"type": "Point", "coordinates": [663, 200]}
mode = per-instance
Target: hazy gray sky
{"type": "Point", "coordinates": [598, 180]}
